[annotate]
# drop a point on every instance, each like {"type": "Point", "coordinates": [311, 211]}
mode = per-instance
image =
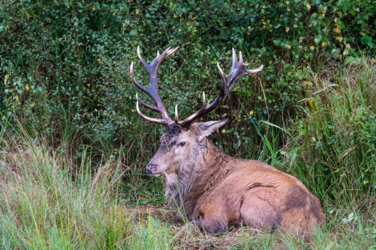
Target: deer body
{"type": "Point", "coordinates": [212, 188]}
{"type": "Point", "coordinates": [217, 191]}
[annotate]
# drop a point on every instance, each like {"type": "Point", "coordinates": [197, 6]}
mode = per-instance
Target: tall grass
{"type": "Point", "coordinates": [334, 147]}
{"type": "Point", "coordinates": [47, 203]}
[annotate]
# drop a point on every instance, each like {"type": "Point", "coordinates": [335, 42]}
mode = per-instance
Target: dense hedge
{"type": "Point", "coordinates": [64, 67]}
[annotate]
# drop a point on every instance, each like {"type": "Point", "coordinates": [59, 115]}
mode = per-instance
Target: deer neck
{"type": "Point", "coordinates": [195, 175]}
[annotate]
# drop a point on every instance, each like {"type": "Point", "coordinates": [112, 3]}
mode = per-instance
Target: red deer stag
{"type": "Point", "coordinates": [212, 188]}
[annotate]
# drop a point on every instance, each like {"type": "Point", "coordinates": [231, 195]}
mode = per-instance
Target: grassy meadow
{"type": "Point", "coordinates": [52, 199]}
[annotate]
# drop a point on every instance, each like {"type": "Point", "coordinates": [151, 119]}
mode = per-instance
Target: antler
{"type": "Point", "coordinates": [238, 70]}
{"type": "Point", "coordinates": [152, 69]}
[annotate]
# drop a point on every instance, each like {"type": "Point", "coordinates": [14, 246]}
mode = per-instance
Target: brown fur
{"type": "Point", "coordinates": [217, 190]}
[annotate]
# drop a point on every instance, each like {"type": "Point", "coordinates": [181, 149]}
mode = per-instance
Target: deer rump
{"type": "Point", "coordinates": [212, 188]}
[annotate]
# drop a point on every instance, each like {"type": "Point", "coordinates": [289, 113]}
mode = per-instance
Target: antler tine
{"type": "Point", "coordinates": [146, 105]}
{"type": "Point", "coordinates": [159, 121]}
{"type": "Point", "coordinates": [152, 91]}
{"type": "Point", "coordinates": [140, 57]}
{"type": "Point", "coordinates": [252, 71]}
{"type": "Point", "coordinates": [154, 65]}
{"type": "Point", "coordinates": [234, 60]}
{"type": "Point", "coordinates": [134, 80]}
{"type": "Point", "coordinates": [240, 57]}
{"type": "Point", "coordinates": [172, 51]}
{"type": "Point", "coordinates": [176, 114]}
{"type": "Point", "coordinates": [238, 70]}
{"type": "Point", "coordinates": [223, 76]}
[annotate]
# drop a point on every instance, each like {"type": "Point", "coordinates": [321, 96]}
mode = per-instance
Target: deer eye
{"type": "Point", "coordinates": [182, 143]}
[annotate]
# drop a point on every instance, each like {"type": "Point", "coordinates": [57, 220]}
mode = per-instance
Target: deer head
{"type": "Point", "coordinates": [183, 137]}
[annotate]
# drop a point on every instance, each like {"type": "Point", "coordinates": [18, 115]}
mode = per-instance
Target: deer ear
{"type": "Point", "coordinates": [207, 128]}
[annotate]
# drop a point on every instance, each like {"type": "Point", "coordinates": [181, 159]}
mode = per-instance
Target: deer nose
{"type": "Point", "coordinates": [150, 168]}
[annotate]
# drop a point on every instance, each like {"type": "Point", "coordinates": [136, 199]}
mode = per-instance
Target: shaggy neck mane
{"type": "Point", "coordinates": [196, 175]}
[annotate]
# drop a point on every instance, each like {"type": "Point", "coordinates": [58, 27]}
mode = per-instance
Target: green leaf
{"type": "Point", "coordinates": [341, 24]}
{"type": "Point", "coordinates": [349, 59]}
{"type": "Point", "coordinates": [367, 40]}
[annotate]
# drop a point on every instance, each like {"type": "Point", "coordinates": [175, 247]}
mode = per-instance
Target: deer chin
{"type": "Point", "coordinates": [160, 172]}
{"type": "Point", "coordinates": [156, 174]}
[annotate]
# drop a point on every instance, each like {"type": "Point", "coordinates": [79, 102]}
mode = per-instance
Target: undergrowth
{"type": "Point", "coordinates": [49, 203]}
{"type": "Point", "coordinates": [333, 150]}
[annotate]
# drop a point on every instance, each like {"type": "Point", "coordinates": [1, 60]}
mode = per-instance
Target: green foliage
{"type": "Point", "coordinates": [66, 64]}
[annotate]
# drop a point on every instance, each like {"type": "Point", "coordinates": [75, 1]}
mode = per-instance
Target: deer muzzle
{"type": "Point", "coordinates": [151, 169]}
